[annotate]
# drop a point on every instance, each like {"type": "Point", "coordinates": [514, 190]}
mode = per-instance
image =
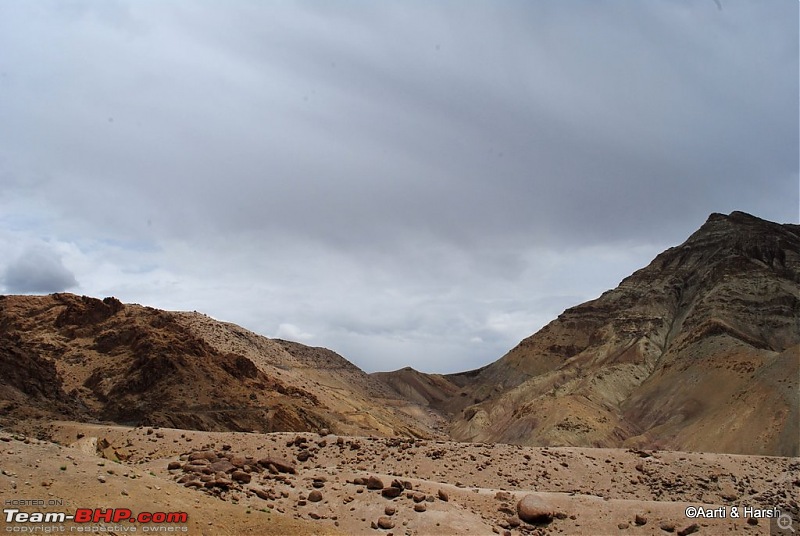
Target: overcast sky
{"type": "Point", "coordinates": [416, 183]}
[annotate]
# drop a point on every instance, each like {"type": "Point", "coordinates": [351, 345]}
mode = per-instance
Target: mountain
{"type": "Point", "coordinates": [700, 350]}
{"type": "Point", "coordinates": [81, 358]}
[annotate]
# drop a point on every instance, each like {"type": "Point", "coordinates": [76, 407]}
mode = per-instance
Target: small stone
{"type": "Point", "coordinates": [391, 492]}
{"type": "Point", "coordinates": [691, 529]}
{"type": "Point", "coordinates": [223, 483]}
{"type": "Point", "coordinates": [389, 510]}
{"type": "Point", "coordinates": [315, 496]}
{"type": "Point", "coordinates": [241, 476]}
{"type": "Point", "coordinates": [640, 520]}
{"type": "Point", "coordinates": [173, 465]}
{"type": "Point", "coordinates": [667, 526]}
{"type": "Point", "coordinates": [752, 521]}
{"type": "Point", "coordinates": [385, 523]}
{"type": "Point", "coordinates": [373, 482]}
{"type": "Point", "coordinates": [622, 526]}
{"type": "Point", "coordinates": [420, 507]}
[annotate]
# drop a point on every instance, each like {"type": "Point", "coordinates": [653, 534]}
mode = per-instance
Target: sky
{"type": "Point", "coordinates": [409, 183]}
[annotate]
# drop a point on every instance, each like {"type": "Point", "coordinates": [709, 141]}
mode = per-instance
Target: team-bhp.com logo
{"type": "Point", "coordinates": [94, 515]}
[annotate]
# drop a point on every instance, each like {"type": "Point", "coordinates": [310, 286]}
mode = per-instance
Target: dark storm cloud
{"type": "Point", "coordinates": [352, 123]}
{"type": "Point", "coordinates": [455, 153]}
{"type": "Point", "coordinates": [38, 270]}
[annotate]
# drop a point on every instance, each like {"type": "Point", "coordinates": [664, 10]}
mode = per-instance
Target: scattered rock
{"type": "Point", "coordinates": [267, 495]}
{"type": "Point", "coordinates": [640, 520]}
{"type": "Point", "coordinates": [203, 455]}
{"type": "Point", "coordinates": [222, 466]}
{"type": "Point", "coordinates": [315, 496]}
{"type": "Point", "coordinates": [279, 465]}
{"type": "Point", "coordinates": [238, 461]}
{"type": "Point", "coordinates": [443, 496]}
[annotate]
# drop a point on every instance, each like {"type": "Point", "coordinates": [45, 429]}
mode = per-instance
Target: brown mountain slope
{"type": "Point", "coordinates": [66, 356]}
{"type": "Point", "coordinates": [700, 350]}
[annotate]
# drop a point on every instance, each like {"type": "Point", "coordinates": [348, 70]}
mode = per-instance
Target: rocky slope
{"type": "Point", "coordinates": [65, 356]}
{"type": "Point", "coordinates": [700, 350]}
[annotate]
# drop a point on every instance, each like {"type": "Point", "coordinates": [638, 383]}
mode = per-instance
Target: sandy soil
{"type": "Point", "coordinates": [448, 488]}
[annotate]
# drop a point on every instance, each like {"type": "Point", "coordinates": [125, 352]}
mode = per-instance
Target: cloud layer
{"type": "Point", "coordinates": [408, 183]}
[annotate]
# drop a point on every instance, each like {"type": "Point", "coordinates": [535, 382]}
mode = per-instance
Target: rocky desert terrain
{"type": "Point", "coordinates": [674, 393]}
{"type": "Point", "coordinates": [290, 483]}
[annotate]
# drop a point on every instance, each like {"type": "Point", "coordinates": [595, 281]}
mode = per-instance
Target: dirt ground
{"type": "Point", "coordinates": [289, 483]}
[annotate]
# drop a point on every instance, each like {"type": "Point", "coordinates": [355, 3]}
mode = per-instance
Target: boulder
{"type": "Point", "coordinates": [534, 510]}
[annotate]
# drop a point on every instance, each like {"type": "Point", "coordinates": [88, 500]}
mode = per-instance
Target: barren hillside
{"type": "Point", "coordinates": [66, 356]}
{"type": "Point", "coordinates": [700, 350]}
